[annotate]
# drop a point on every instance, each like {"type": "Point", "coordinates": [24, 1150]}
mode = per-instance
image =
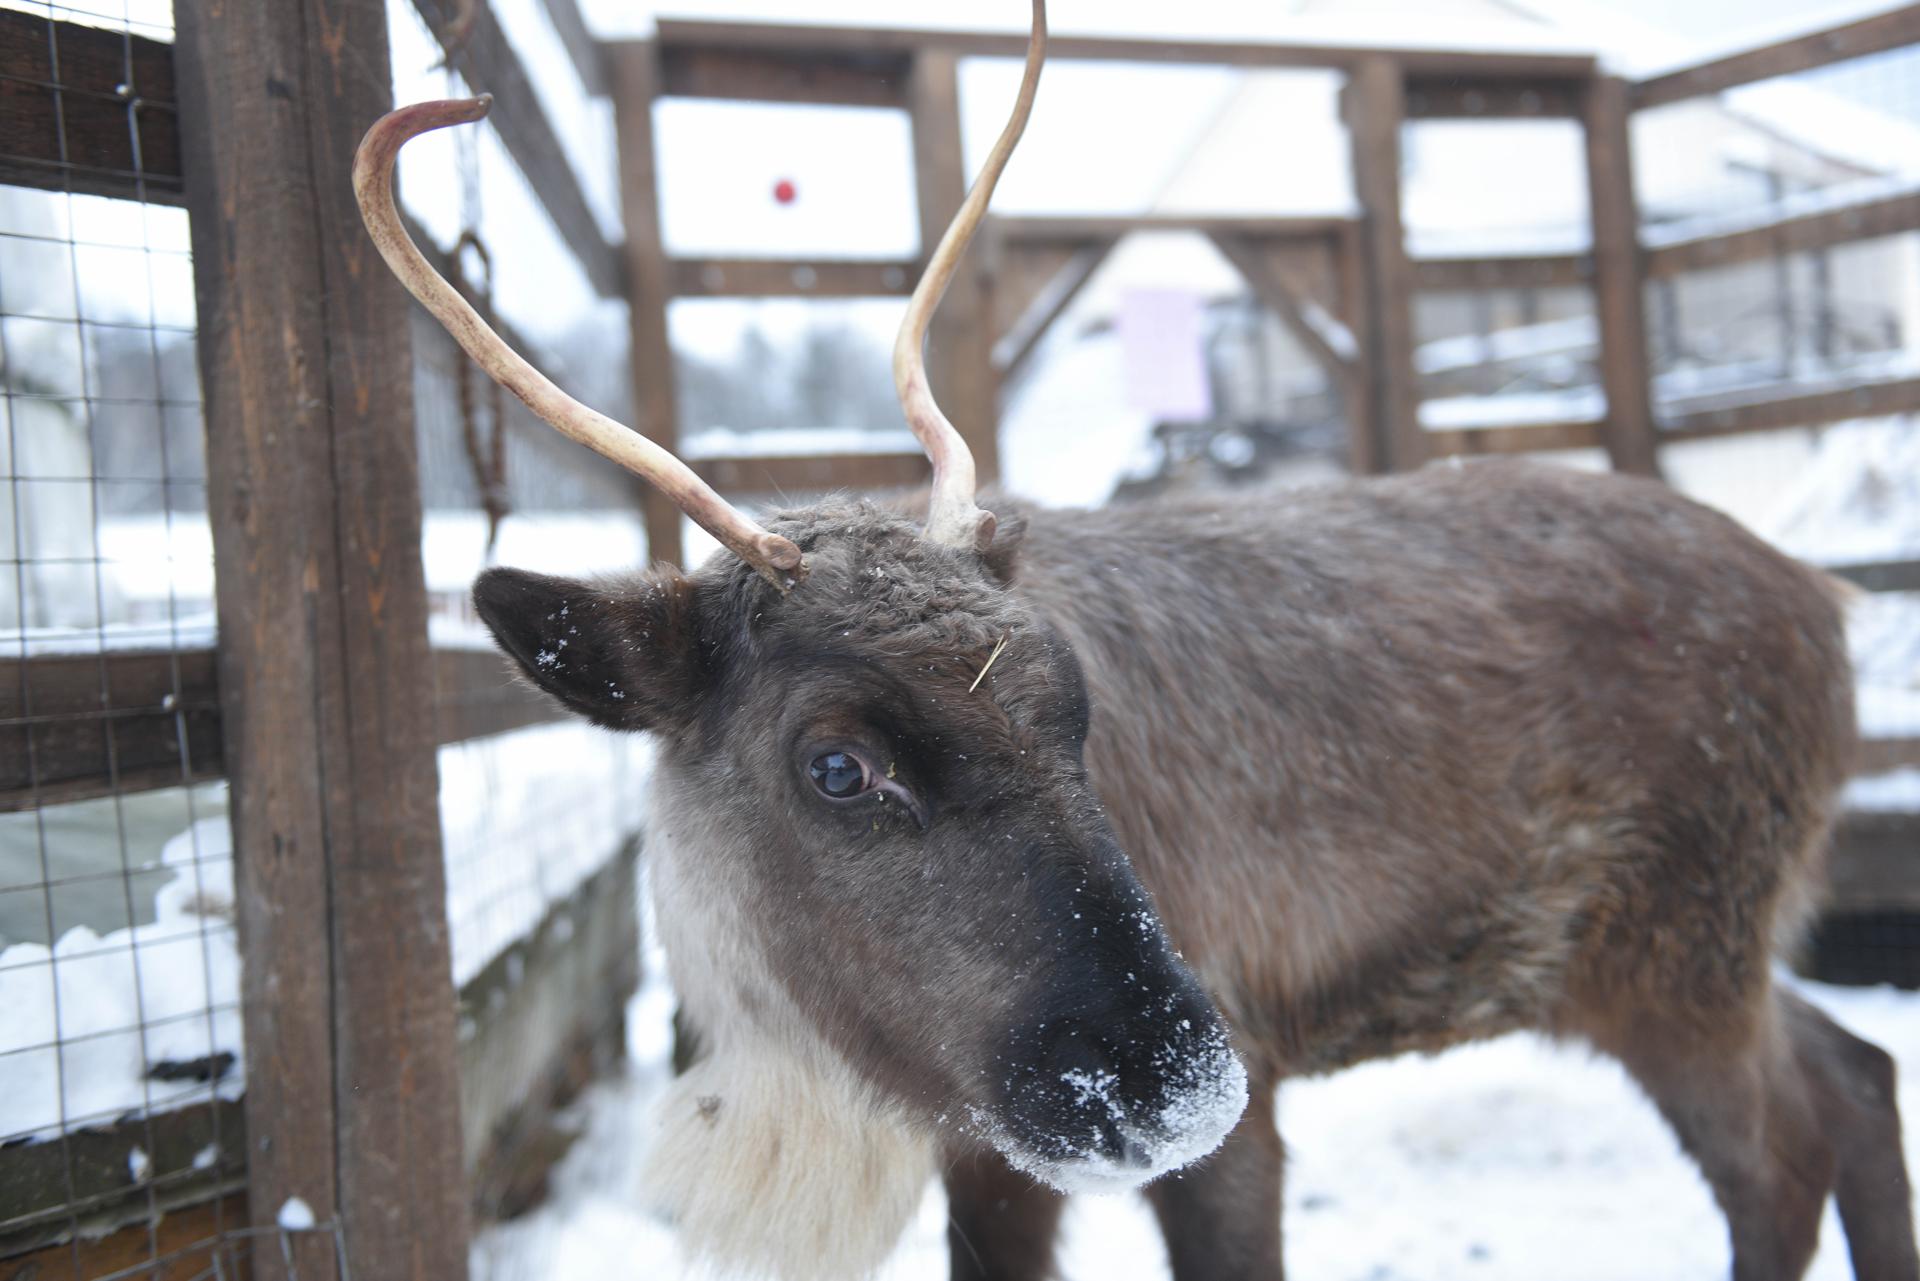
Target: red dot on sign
{"type": "Point", "coordinates": [784, 191]}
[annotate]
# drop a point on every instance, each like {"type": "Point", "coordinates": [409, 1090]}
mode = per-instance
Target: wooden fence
{"type": "Point", "coordinates": [319, 703]}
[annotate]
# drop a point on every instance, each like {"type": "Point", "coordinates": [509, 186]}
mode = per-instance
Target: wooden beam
{"type": "Point", "coordinates": [189, 1243]}
{"type": "Point", "coordinates": [1812, 409]}
{"type": "Point", "coordinates": [1875, 34]}
{"type": "Point", "coordinates": [852, 79]}
{"type": "Point", "coordinates": [807, 40]}
{"type": "Point", "coordinates": [1534, 271]}
{"type": "Point", "coordinates": [1875, 865]}
{"type": "Point", "coordinates": [1036, 306]}
{"type": "Point", "coordinates": [1083, 228]}
{"type": "Point", "coordinates": [325, 682]}
{"type": "Point", "coordinates": [813, 473]}
{"type": "Point", "coordinates": [635, 67]}
{"type": "Point", "coordinates": [195, 1155]}
{"type": "Point", "coordinates": [1286, 299]}
{"type": "Point", "coordinates": [1889, 215]}
{"type": "Point", "coordinates": [1626, 371]}
{"type": "Point", "coordinates": [589, 63]}
{"type": "Point", "coordinates": [1366, 455]}
{"type": "Point", "coordinates": [1376, 110]}
{"type": "Point", "coordinates": [1880, 576]}
{"type": "Point", "coordinates": [74, 726]}
{"type": "Point", "coordinates": [959, 345]}
{"type": "Point", "coordinates": [70, 127]}
{"type": "Point", "coordinates": [476, 694]}
{"type": "Point", "coordinates": [1455, 97]}
{"type": "Point", "coordinates": [1515, 438]}
{"type": "Point", "coordinates": [788, 278]}
{"type": "Point", "coordinates": [56, 740]}
{"type": "Point", "coordinates": [489, 65]}
{"type": "Point", "coordinates": [1878, 755]}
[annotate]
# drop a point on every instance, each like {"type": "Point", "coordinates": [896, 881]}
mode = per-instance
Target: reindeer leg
{"type": "Point", "coordinates": [1221, 1216]}
{"type": "Point", "coordinates": [1000, 1223]}
{"type": "Point", "coordinates": [1741, 1107]}
{"type": "Point", "coordinates": [1852, 1082]}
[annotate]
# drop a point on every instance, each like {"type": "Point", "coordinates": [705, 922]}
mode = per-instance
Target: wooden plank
{"type": "Point", "coordinates": [476, 693]}
{"type": "Point", "coordinates": [788, 278]}
{"type": "Point", "coordinates": [1875, 864]}
{"type": "Point", "coordinates": [635, 68]}
{"type": "Point", "coordinates": [1626, 371]}
{"type": "Point", "coordinates": [807, 39]}
{"type": "Point", "coordinates": [813, 473]}
{"type": "Point", "coordinates": [849, 79]}
{"type": "Point", "coordinates": [1794, 234]}
{"type": "Point", "coordinates": [1878, 755]}
{"type": "Point", "coordinates": [71, 128]}
{"type": "Point", "coordinates": [1459, 97]}
{"type": "Point", "coordinates": [46, 1189]}
{"type": "Point", "coordinates": [152, 701]}
{"type": "Point", "coordinates": [191, 1243]}
{"type": "Point", "coordinates": [1038, 307]}
{"type": "Point", "coordinates": [490, 65]}
{"type": "Point", "coordinates": [1530, 271]}
{"type": "Point", "coordinates": [1080, 228]}
{"type": "Point", "coordinates": [1882, 31]}
{"type": "Point", "coordinates": [589, 63]}
{"type": "Point", "coordinates": [1375, 100]}
{"type": "Point", "coordinates": [325, 681]}
{"type": "Point", "coordinates": [1880, 576]}
{"type": "Point", "coordinates": [960, 365]}
{"type": "Point", "coordinates": [1515, 438]}
{"type": "Point", "coordinates": [74, 726]}
{"type": "Point", "coordinates": [1871, 400]}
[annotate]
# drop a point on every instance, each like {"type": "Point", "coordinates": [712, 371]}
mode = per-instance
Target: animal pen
{"type": "Point", "coordinates": [311, 917]}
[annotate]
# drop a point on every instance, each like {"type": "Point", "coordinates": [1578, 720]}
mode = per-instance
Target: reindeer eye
{"type": "Point", "coordinates": [840, 775]}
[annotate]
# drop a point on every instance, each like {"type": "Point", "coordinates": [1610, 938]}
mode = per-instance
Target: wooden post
{"type": "Point", "coordinates": [1366, 449]}
{"type": "Point", "coordinates": [325, 682]}
{"type": "Point", "coordinates": [1618, 279]}
{"type": "Point", "coordinates": [1376, 108]}
{"type": "Point", "coordinates": [635, 67]}
{"type": "Point", "coordinates": [960, 340]}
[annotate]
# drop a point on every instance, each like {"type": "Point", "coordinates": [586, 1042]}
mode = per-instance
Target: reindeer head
{"type": "Point", "coordinates": [893, 904]}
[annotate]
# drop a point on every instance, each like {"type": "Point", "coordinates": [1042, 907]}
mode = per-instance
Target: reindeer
{"type": "Point", "coordinates": [1039, 850]}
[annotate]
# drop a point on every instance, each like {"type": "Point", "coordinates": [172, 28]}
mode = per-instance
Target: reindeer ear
{"type": "Point", "coordinates": [622, 655]}
{"type": "Point", "coordinates": [1003, 553]}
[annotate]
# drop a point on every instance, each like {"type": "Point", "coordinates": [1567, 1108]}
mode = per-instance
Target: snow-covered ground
{"type": "Point", "coordinates": [1515, 1159]}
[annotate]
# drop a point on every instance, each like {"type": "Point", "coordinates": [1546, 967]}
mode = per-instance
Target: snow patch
{"type": "Point", "coordinates": [295, 1215]}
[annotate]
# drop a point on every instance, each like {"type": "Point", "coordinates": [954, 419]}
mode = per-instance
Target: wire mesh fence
{"type": "Point", "coordinates": [1778, 222]}
{"type": "Point", "coordinates": [121, 1059]}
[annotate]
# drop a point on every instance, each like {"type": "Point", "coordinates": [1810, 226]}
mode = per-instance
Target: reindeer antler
{"type": "Point", "coordinates": [775, 557]}
{"type": "Point", "coordinates": [952, 518]}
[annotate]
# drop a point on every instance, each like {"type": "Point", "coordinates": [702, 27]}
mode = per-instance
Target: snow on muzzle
{"type": "Point", "coordinates": [1106, 1104]}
